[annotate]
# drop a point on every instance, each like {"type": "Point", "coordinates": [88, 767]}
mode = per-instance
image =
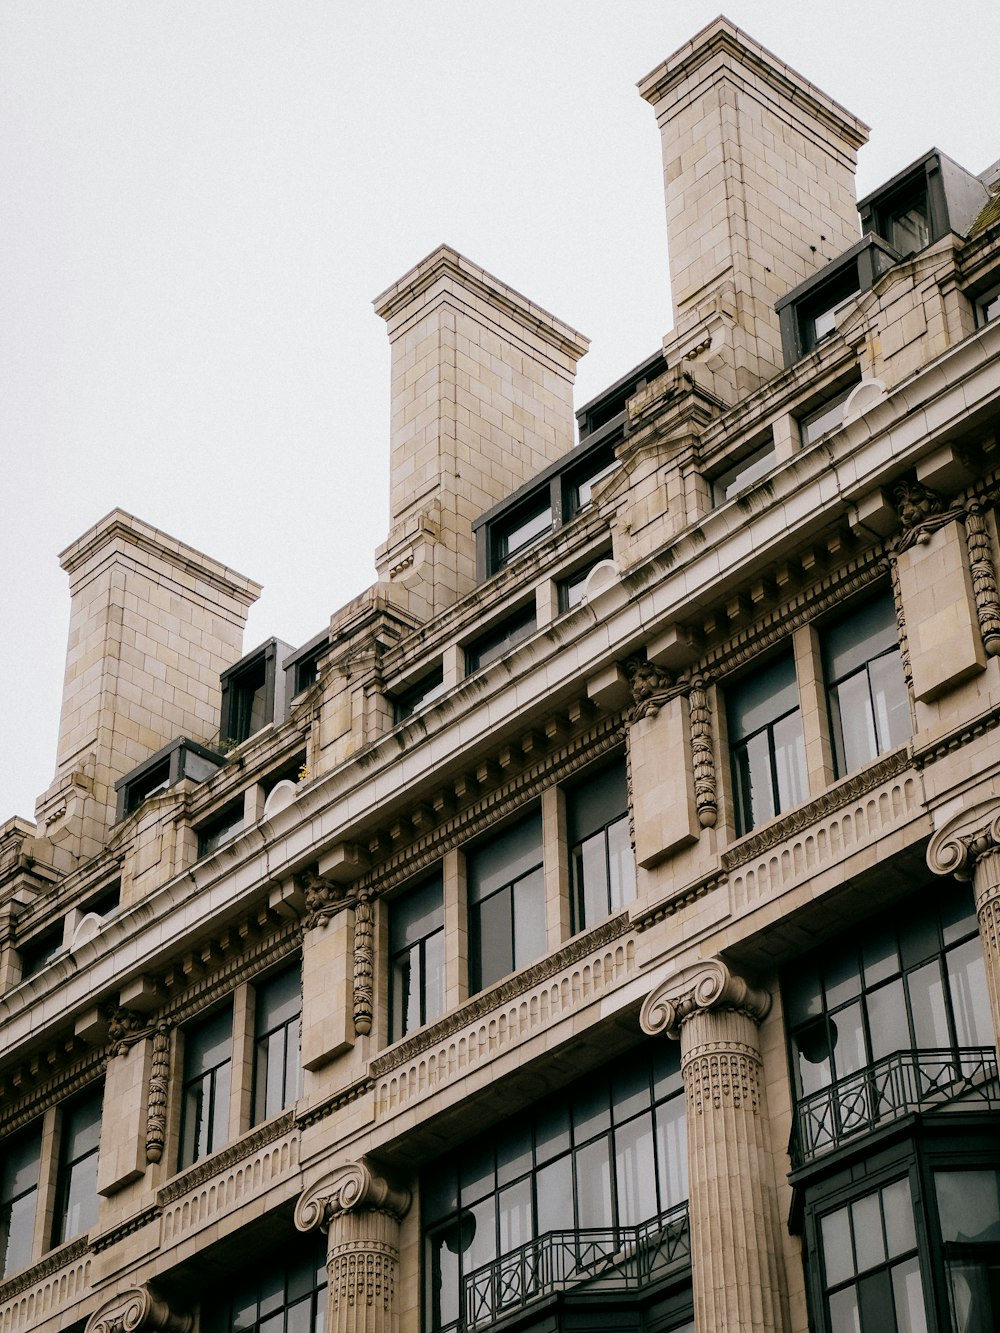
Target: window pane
{"type": "Point", "coordinates": [529, 918]}
{"type": "Point", "coordinates": [842, 976]}
{"type": "Point", "coordinates": [930, 1022]}
{"type": "Point", "coordinates": [405, 985]}
{"type": "Point", "coordinates": [671, 1152]}
{"type": "Point", "coordinates": [968, 1205]}
{"type": "Point", "coordinates": [866, 1222]}
{"type": "Point", "coordinates": [908, 1296]}
{"type": "Point", "coordinates": [887, 1020]}
{"type": "Point", "coordinates": [892, 707]}
{"type": "Point", "coordinates": [844, 1314]}
{"type": "Point", "coordinates": [593, 1185]}
{"type": "Point", "coordinates": [483, 1246]}
{"type": "Point", "coordinates": [515, 1216]}
{"type": "Point", "coordinates": [555, 1196]}
{"type": "Point", "coordinates": [790, 761]}
{"type": "Point", "coordinates": [277, 1000]}
{"type": "Point", "coordinates": [849, 1040]}
{"type": "Point", "coordinates": [434, 977]}
{"type": "Point", "coordinates": [837, 1256]}
{"type": "Point", "coordinates": [591, 875]}
{"type": "Point", "coordinates": [762, 697]}
{"type": "Point", "coordinates": [969, 994]}
{"type": "Point", "coordinates": [854, 724]}
{"type": "Point", "coordinates": [80, 1212]}
{"type": "Point", "coordinates": [494, 937]}
{"type": "Point", "coordinates": [881, 957]}
{"type": "Point", "coordinates": [753, 779]}
{"type": "Point", "coordinates": [634, 1171]}
{"type": "Point", "coordinates": [814, 1065]}
{"type": "Point", "coordinates": [17, 1223]}
{"type": "Point", "coordinates": [897, 1205]}
{"type": "Point", "coordinates": [622, 864]}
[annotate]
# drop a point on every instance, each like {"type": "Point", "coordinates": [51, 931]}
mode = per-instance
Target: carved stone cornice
{"type": "Point", "coordinates": [37, 1273]}
{"type": "Point", "coordinates": [703, 986]}
{"type": "Point", "coordinates": [137, 1311]}
{"type": "Point", "coordinates": [859, 784]}
{"type": "Point", "coordinates": [676, 901]}
{"type": "Point", "coordinates": [220, 1162]}
{"type": "Point", "coordinates": [957, 846]}
{"type": "Point", "coordinates": [497, 996]}
{"type": "Point", "coordinates": [354, 1187]}
{"type": "Point", "coordinates": [127, 1228]}
{"type": "Point", "coordinates": [330, 1105]}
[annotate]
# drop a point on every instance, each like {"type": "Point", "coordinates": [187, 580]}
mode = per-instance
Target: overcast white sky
{"type": "Point", "coordinates": [199, 201]}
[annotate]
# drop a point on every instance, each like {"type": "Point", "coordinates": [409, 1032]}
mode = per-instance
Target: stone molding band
{"type": "Point", "coordinates": [703, 986]}
{"type": "Point", "coordinates": [137, 1310]}
{"type": "Point", "coordinates": [354, 1187]}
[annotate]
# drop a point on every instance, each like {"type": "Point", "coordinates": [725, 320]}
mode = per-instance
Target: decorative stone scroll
{"type": "Point", "coordinates": [360, 1212]}
{"type": "Point", "coordinates": [984, 577]}
{"type": "Point", "coordinates": [733, 1202]}
{"type": "Point", "coordinates": [706, 796]}
{"type": "Point", "coordinates": [137, 1311]}
{"type": "Point", "coordinates": [156, 1102]}
{"type": "Point", "coordinates": [697, 989]}
{"type": "Point", "coordinates": [364, 963]}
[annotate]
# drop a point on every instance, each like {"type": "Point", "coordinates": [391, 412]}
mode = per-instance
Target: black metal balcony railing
{"type": "Point", "coordinates": [903, 1082]}
{"type": "Point", "coordinates": [617, 1259]}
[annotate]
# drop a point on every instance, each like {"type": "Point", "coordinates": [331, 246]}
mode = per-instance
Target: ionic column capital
{"type": "Point", "coordinates": [354, 1187]}
{"type": "Point", "coordinates": [964, 839]}
{"type": "Point", "coordinates": [705, 985]}
{"type": "Point", "coordinates": [137, 1310]}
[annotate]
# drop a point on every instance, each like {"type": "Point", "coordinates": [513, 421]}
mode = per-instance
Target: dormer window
{"type": "Point", "coordinates": [253, 693]}
{"type": "Point", "coordinates": [809, 313]}
{"type": "Point", "coordinates": [740, 476]}
{"type": "Point", "coordinates": [522, 530]}
{"type": "Point", "coordinates": [180, 759]}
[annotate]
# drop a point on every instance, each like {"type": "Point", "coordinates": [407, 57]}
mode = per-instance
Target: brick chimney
{"type": "Point", "coordinates": [482, 400]}
{"type": "Point", "coordinates": [152, 623]}
{"type": "Point", "coordinates": [758, 169]}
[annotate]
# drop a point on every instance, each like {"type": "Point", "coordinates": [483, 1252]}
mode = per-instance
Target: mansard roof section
{"type": "Point", "coordinates": [445, 273]}
{"type": "Point", "coordinates": [722, 37]}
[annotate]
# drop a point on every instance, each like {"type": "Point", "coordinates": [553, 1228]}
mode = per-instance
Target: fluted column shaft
{"type": "Point", "coordinates": [986, 887]}
{"type": "Point", "coordinates": [362, 1260]}
{"type": "Point", "coordinates": [737, 1267]}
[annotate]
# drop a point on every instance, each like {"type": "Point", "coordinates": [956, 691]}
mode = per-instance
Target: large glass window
{"type": "Point", "coordinates": [284, 1296]}
{"type": "Point", "coordinates": [602, 865]}
{"type": "Point", "coordinates": [208, 1056]}
{"type": "Point", "coordinates": [516, 534]}
{"type": "Point", "coordinates": [765, 739]}
{"type": "Point", "coordinates": [575, 1175]}
{"type": "Point", "coordinates": [968, 1204]}
{"type": "Point", "coordinates": [277, 1068]}
{"type": "Point", "coordinates": [506, 903]}
{"type": "Point", "coordinates": [870, 1264]}
{"type": "Point", "coordinates": [500, 639]}
{"type": "Point", "coordinates": [869, 709]}
{"type": "Point", "coordinates": [416, 958]}
{"type": "Point", "coordinates": [913, 981]}
{"type": "Point", "coordinates": [20, 1160]}
{"type": "Point", "coordinates": [76, 1181]}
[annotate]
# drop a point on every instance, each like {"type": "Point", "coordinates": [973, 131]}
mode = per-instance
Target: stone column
{"type": "Point", "coordinates": [360, 1212]}
{"type": "Point", "coordinates": [737, 1267]}
{"type": "Point", "coordinates": [137, 1310]}
{"type": "Point", "coordinates": [968, 847]}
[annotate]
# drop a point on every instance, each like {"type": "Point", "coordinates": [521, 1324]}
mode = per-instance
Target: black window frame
{"type": "Point", "coordinates": [826, 291]}
{"type": "Point", "coordinates": [13, 1224]}
{"type": "Point", "coordinates": [501, 638]}
{"type": "Point", "coordinates": [745, 815]}
{"type": "Point", "coordinates": [189, 1150]}
{"type": "Point", "coordinates": [40, 949]}
{"type": "Point", "coordinates": [416, 926]}
{"type": "Point", "coordinates": [281, 1037]}
{"type": "Point", "coordinates": [888, 636]}
{"type": "Point", "coordinates": [255, 674]}
{"type": "Point", "coordinates": [597, 816]}
{"type": "Point", "coordinates": [180, 758]}
{"type": "Point", "coordinates": [413, 696]}
{"type": "Point", "coordinates": [78, 1172]}
{"type": "Point", "coordinates": [517, 849]}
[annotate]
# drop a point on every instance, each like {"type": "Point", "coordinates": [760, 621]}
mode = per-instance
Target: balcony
{"type": "Point", "coordinates": [615, 1260]}
{"type": "Point", "coordinates": [962, 1078]}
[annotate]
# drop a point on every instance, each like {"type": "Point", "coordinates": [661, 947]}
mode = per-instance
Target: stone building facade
{"type": "Point", "coordinates": [597, 923]}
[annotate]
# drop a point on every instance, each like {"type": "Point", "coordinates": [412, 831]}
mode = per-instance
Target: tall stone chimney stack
{"type": "Point", "coordinates": [152, 623]}
{"type": "Point", "coordinates": [758, 169]}
{"type": "Point", "coordinates": [482, 400]}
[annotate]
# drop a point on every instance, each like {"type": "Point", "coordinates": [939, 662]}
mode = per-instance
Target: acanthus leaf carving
{"type": "Point", "coordinates": [364, 963]}
{"type": "Point", "coordinates": [706, 797]}
{"type": "Point", "coordinates": [156, 1102]}
{"type": "Point", "coordinates": [984, 577]}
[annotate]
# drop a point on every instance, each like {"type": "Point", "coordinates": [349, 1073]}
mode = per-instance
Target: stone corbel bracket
{"type": "Point", "coordinates": [137, 1311]}
{"type": "Point", "coordinates": [350, 1188]}
{"type": "Point", "coordinates": [696, 989]}
{"type": "Point", "coordinates": [957, 846]}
